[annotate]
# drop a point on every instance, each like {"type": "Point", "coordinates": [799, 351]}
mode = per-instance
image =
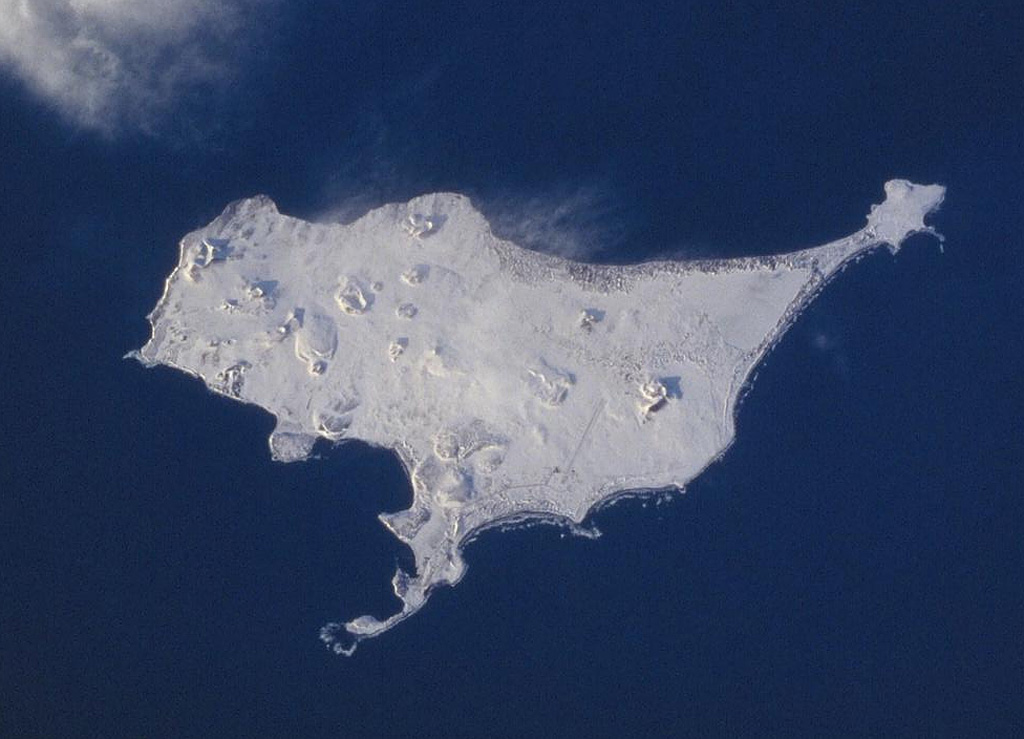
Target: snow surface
{"type": "Point", "coordinates": [514, 386]}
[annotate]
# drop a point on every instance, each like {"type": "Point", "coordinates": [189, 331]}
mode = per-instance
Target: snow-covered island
{"type": "Point", "coordinates": [514, 386]}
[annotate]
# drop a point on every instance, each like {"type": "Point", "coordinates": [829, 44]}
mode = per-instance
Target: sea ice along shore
{"type": "Point", "coordinates": [514, 386]}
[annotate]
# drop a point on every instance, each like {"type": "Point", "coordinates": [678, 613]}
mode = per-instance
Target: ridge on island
{"type": "Point", "coordinates": [514, 386]}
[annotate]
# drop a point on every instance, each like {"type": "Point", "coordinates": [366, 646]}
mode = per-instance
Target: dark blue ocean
{"type": "Point", "coordinates": [854, 566]}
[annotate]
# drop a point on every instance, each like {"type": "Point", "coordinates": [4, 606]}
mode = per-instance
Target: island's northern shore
{"type": "Point", "coordinates": [516, 388]}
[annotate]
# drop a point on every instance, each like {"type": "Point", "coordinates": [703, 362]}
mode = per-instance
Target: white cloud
{"type": "Point", "coordinates": [580, 223]}
{"type": "Point", "coordinates": [106, 64]}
